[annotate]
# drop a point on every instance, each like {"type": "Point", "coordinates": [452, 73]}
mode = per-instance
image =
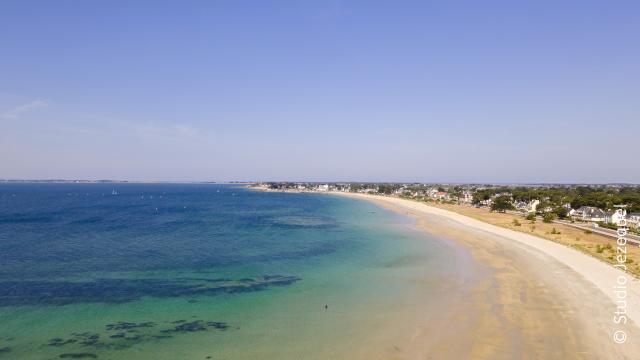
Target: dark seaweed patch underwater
{"type": "Point", "coordinates": [85, 246]}
{"type": "Point", "coordinates": [52, 232]}
{"type": "Point", "coordinates": [123, 335]}
{"type": "Point", "coordinates": [14, 293]}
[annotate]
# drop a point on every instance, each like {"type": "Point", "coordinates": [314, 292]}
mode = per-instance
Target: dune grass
{"type": "Point", "coordinates": [596, 245]}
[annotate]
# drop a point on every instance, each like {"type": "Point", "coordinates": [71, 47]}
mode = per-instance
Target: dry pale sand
{"type": "Point", "coordinates": [533, 298]}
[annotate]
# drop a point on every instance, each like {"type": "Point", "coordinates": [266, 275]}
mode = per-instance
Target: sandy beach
{"type": "Point", "coordinates": [533, 298]}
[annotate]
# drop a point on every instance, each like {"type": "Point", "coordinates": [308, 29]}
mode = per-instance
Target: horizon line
{"type": "Point", "coordinates": [305, 181]}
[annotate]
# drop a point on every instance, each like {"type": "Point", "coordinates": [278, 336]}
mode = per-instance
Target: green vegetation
{"type": "Point", "coordinates": [603, 197]}
{"type": "Point", "coordinates": [554, 201]}
{"type": "Point", "coordinates": [615, 227]}
{"type": "Point", "coordinates": [482, 195]}
{"type": "Point", "coordinates": [502, 204]}
{"type": "Point", "coordinates": [561, 212]}
{"type": "Point", "coordinates": [608, 226]}
{"type": "Point", "coordinates": [600, 249]}
{"type": "Point", "coordinates": [548, 217]}
{"type": "Point", "coordinates": [387, 188]}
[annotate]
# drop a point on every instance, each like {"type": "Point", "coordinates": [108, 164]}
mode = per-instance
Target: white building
{"type": "Point", "coordinates": [343, 187]}
{"type": "Point", "coordinates": [401, 190]}
{"type": "Point", "coordinates": [533, 205]}
{"type": "Point", "coordinates": [368, 191]}
{"type": "Point", "coordinates": [487, 202]}
{"type": "Point", "coordinates": [522, 206]}
{"type": "Point", "coordinates": [442, 195]}
{"type": "Point", "coordinates": [633, 220]}
{"type": "Point", "coordinates": [466, 197]}
{"type": "Point", "coordinates": [589, 213]}
{"type": "Point", "coordinates": [615, 216]}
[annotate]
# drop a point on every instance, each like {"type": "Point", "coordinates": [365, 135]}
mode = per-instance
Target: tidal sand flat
{"type": "Point", "coordinates": [533, 299]}
{"type": "Point", "coordinates": [158, 271]}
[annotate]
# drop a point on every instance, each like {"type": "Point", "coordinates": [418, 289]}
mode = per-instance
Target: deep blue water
{"type": "Point", "coordinates": [167, 271]}
{"type": "Point", "coordinates": [51, 235]}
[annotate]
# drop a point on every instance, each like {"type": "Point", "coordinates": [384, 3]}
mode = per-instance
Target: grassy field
{"type": "Point", "coordinates": [596, 245]}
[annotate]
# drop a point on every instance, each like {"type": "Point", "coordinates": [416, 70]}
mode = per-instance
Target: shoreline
{"type": "Point", "coordinates": [599, 273]}
{"type": "Point", "coordinates": [535, 285]}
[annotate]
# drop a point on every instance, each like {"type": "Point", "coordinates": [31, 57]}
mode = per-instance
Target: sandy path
{"type": "Point", "coordinates": [534, 299]}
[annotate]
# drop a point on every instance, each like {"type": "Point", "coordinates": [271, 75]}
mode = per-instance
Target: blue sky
{"type": "Point", "coordinates": [441, 91]}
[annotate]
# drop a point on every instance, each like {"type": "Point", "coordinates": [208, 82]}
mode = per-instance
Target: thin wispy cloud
{"type": "Point", "coordinates": [174, 132]}
{"type": "Point", "coordinates": [16, 112]}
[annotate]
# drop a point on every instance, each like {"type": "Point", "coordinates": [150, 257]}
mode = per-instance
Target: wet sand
{"type": "Point", "coordinates": [531, 298]}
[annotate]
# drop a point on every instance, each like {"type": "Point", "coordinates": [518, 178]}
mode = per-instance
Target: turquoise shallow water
{"type": "Point", "coordinates": [208, 271]}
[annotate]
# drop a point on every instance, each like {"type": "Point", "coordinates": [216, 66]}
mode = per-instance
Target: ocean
{"type": "Point", "coordinates": [203, 271]}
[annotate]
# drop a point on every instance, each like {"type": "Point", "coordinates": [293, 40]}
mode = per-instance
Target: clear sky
{"type": "Point", "coordinates": [432, 91]}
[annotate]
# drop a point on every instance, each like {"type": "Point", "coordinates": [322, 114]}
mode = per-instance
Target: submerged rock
{"type": "Point", "coordinates": [83, 355]}
{"type": "Point", "coordinates": [129, 325]}
{"type": "Point", "coordinates": [217, 325]}
{"type": "Point", "coordinates": [60, 342]}
{"type": "Point", "coordinates": [197, 325]}
{"type": "Point", "coordinates": [127, 334]}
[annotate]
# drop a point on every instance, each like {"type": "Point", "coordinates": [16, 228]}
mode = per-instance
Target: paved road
{"type": "Point", "coordinates": [634, 239]}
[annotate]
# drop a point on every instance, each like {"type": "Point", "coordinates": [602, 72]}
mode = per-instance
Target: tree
{"type": "Point", "coordinates": [456, 193]}
{"type": "Point", "coordinates": [548, 217]}
{"type": "Point", "coordinates": [561, 212]}
{"type": "Point", "coordinates": [482, 195]}
{"type": "Point", "coordinates": [543, 207]}
{"type": "Point", "coordinates": [385, 188]}
{"type": "Point", "coordinates": [355, 187]}
{"type": "Point", "coordinates": [502, 204]}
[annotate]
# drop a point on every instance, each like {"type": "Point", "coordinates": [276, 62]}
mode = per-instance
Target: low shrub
{"type": "Point", "coordinates": [548, 217]}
